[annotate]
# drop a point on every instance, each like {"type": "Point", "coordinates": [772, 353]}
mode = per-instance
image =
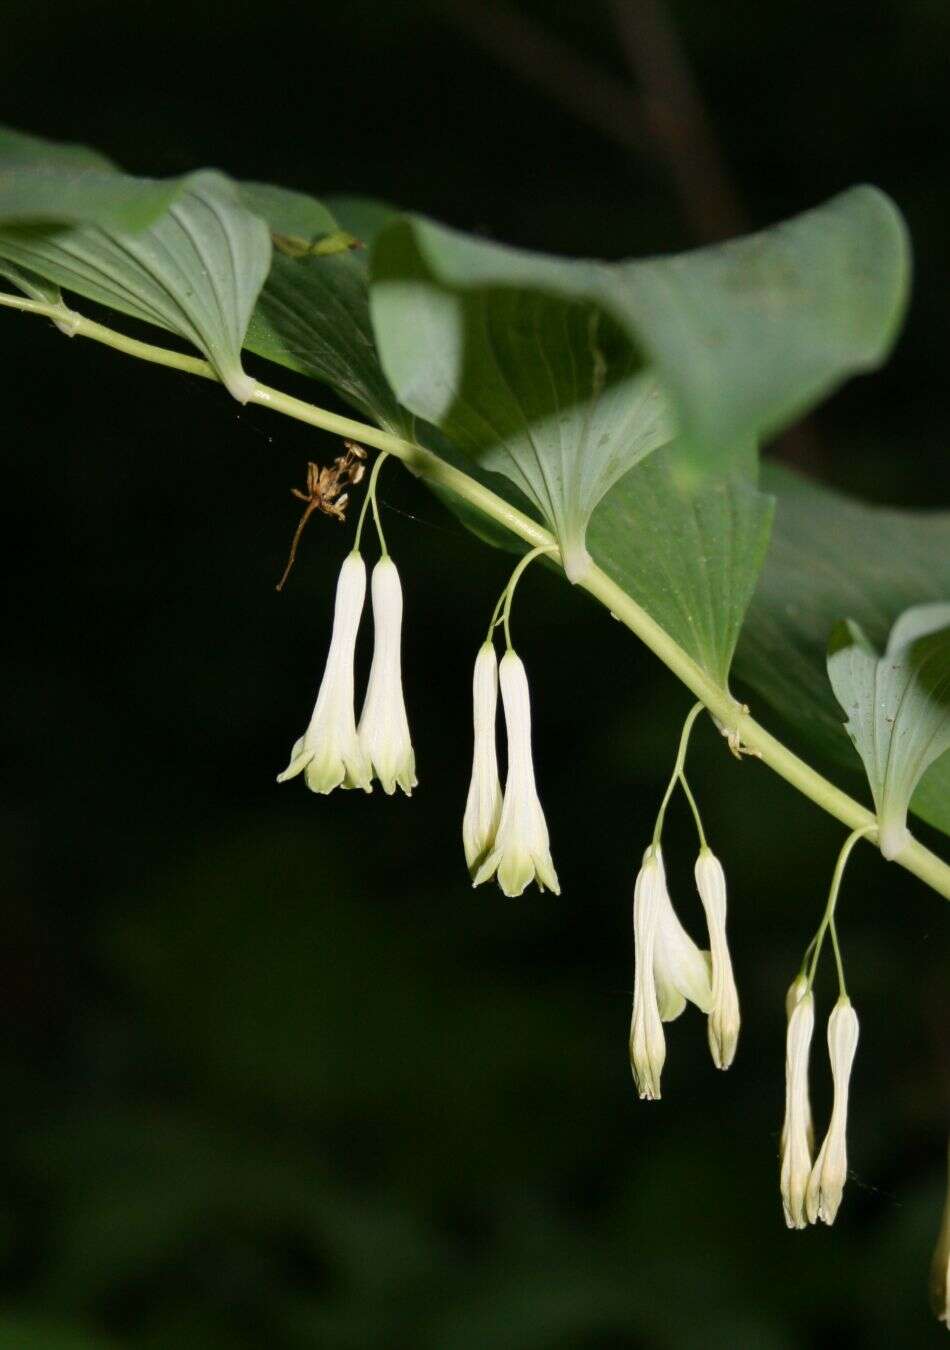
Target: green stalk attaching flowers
{"type": "Point", "coordinates": [732, 716]}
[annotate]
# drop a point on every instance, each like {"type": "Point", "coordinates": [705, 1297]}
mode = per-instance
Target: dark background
{"type": "Point", "coordinates": [274, 1075]}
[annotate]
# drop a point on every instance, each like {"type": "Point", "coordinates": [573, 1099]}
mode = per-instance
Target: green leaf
{"type": "Point", "coordinates": [31, 284]}
{"type": "Point", "coordinates": [18, 149]}
{"type": "Point", "coordinates": [313, 312]}
{"type": "Point", "coordinates": [832, 557]}
{"type": "Point", "coordinates": [563, 374]}
{"type": "Point", "coordinates": [687, 547]}
{"type": "Point", "coordinates": [365, 217]}
{"type": "Point", "coordinates": [898, 707]}
{"type": "Point", "coordinates": [288, 212]}
{"type": "Point", "coordinates": [38, 288]}
{"type": "Point", "coordinates": [195, 270]}
{"type": "Point", "coordinates": [749, 334]}
{"type": "Point", "coordinates": [49, 182]}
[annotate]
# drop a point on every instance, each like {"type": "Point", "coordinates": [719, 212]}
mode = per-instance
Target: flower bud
{"type": "Point", "coordinates": [826, 1184]}
{"type": "Point", "coordinates": [384, 728]}
{"type": "Point", "coordinates": [521, 852]}
{"type": "Point", "coordinates": [647, 1043]}
{"type": "Point", "coordinates": [483, 807]}
{"type": "Point", "coordinates": [724, 1014]}
{"type": "Point", "coordinates": [797, 1129]}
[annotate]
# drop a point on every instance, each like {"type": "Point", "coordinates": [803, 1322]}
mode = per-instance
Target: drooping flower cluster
{"type": "Point", "coordinates": [505, 835]}
{"type": "Point", "coordinates": [812, 1188]}
{"type": "Point", "coordinates": [335, 751]}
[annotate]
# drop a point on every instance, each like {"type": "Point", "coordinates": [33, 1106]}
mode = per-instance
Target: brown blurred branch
{"type": "Point", "coordinates": [664, 119]}
{"type": "Point", "coordinates": [592, 94]}
{"type": "Point", "coordinates": [680, 128]}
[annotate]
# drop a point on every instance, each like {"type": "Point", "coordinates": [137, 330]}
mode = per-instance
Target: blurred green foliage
{"type": "Point", "coordinates": [274, 1074]}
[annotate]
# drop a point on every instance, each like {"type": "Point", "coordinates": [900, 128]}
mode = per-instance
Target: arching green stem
{"type": "Point", "coordinates": [509, 592]}
{"type": "Point", "coordinates": [677, 773]}
{"type": "Point", "coordinates": [733, 716]}
{"type": "Point", "coordinates": [370, 500]}
{"type": "Point", "coordinates": [833, 930]}
{"type": "Point", "coordinates": [828, 918]}
{"type": "Point", "coordinates": [695, 810]}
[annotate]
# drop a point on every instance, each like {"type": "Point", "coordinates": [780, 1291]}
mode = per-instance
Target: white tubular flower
{"type": "Point", "coordinates": [483, 807]}
{"type": "Point", "coordinates": [647, 1042]}
{"type": "Point", "coordinates": [940, 1269]}
{"type": "Point", "coordinates": [826, 1184]}
{"type": "Point", "coordinates": [680, 969]}
{"type": "Point", "coordinates": [797, 1131]}
{"type": "Point", "coordinates": [724, 1013]}
{"type": "Point", "coordinates": [521, 852]}
{"type": "Point", "coordinates": [329, 754]}
{"type": "Point", "coordinates": [384, 728]}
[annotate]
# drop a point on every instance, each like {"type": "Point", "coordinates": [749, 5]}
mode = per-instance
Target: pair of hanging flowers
{"type": "Point", "coordinates": [336, 750]}
{"type": "Point", "coordinates": [812, 1190]}
{"type": "Point", "coordinates": [669, 968]}
{"type": "Point", "coordinates": [812, 1185]}
{"type": "Point", "coordinates": [505, 835]}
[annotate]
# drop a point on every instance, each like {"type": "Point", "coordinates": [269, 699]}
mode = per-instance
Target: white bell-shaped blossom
{"type": "Point", "coordinates": [647, 1042]}
{"type": "Point", "coordinates": [483, 807]}
{"type": "Point", "coordinates": [521, 851]}
{"type": "Point", "coordinates": [329, 753]}
{"type": "Point", "coordinates": [681, 970]}
{"type": "Point", "coordinates": [826, 1183]}
{"type": "Point", "coordinates": [723, 1023]}
{"type": "Point", "coordinates": [384, 728]}
{"type": "Point", "coordinates": [797, 1129]}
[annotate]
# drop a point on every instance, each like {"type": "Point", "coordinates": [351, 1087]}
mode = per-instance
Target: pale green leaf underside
{"type": "Point", "coordinates": [196, 270]}
{"type": "Point", "coordinates": [524, 373]}
{"type": "Point", "coordinates": [897, 707]}
{"type": "Point", "coordinates": [832, 557]}
{"type": "Point", "coordinates": [687, 548]}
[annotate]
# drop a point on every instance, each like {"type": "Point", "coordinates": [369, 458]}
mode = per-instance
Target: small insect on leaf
{"type": "Point", "coordinates": [293, 246]}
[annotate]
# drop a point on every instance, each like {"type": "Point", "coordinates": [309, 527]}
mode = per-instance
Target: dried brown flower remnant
{"type": "Point", "coordinates": [324, 492]}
